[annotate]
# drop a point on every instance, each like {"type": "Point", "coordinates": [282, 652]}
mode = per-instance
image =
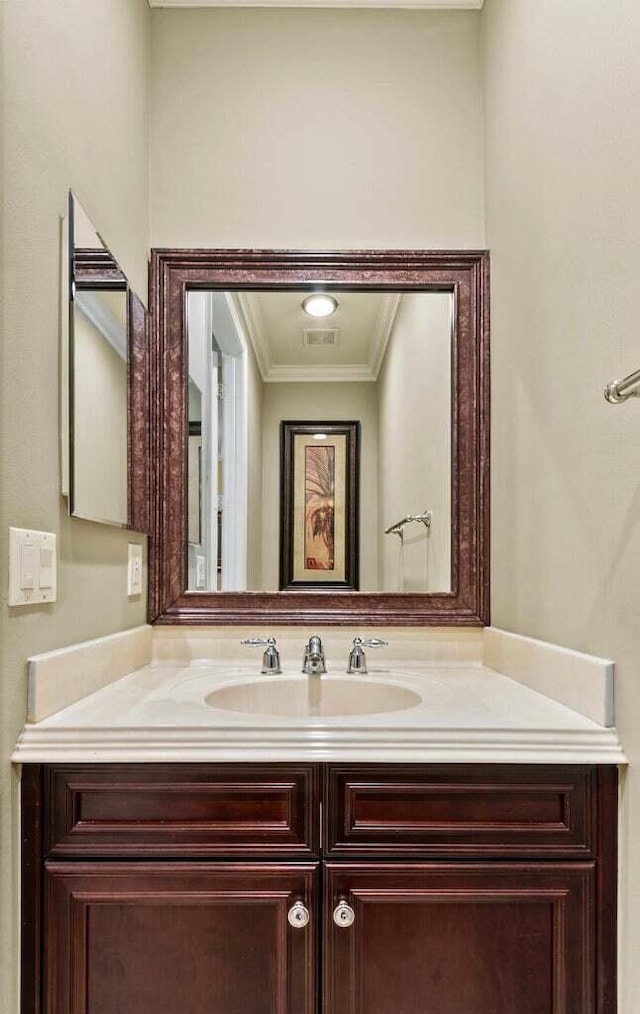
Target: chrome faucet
{"type": "Point", "coordinates": [313, 660]}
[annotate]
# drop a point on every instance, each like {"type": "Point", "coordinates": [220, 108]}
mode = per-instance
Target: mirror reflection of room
{"type": "Point", "coordinates": [99, 344]}
{"type": "Point", "coordinates": [257, 359]}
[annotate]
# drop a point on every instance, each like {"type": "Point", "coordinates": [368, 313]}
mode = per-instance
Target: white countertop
{"type": "Point", "coordinates": [465, 713]}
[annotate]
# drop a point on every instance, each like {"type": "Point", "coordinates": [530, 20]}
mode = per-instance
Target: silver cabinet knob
{"type": "Point", "coordinates": [298, 915]}
{"type": "Point", "coordinates": [343, 915]}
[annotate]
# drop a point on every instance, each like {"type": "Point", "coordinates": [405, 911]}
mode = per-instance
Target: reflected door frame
{"type": "Point", "coordinates": [224, 434]}
{"type": "Point", "coordinates": [233, 534]}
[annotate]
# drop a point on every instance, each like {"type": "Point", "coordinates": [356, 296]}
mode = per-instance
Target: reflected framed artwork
{"type": "Point", "coordinates": [319, 505]}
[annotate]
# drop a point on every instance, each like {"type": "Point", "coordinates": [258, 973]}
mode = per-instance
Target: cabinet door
{"type": "Point", "coordinates": [194, 938]}
{"type": "Point", "coordinates": [473, 938]}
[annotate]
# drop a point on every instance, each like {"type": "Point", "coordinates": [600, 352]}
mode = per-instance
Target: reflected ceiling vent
{"type": "Point", "coordinates": [320, 336]}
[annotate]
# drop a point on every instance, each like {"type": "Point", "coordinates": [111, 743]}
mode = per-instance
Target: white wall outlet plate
{"type": "Point", "coordinates": [33, 567]}
{"type": "Point", "coordinates": [134, 569]}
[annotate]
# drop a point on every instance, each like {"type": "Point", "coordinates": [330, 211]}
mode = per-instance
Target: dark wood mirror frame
{"type": "Point", "coordinates": [466, 274]}
{"type": "Point", "coordinates": [138, 422]}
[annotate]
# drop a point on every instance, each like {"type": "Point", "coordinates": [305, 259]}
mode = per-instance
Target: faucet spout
{"type": "Point", "coordinates": [313, 660]}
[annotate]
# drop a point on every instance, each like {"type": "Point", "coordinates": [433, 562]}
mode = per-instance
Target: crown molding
{"type": "Point", "coordinates": [431, 5]}
{"type": "Point", "coordinates": [350, 373]}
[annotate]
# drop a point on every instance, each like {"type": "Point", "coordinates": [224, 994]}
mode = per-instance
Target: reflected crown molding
{"type": "Point", "coordinates": [351, 373]}
{"type": "Point", "coordinates": [92, 307]}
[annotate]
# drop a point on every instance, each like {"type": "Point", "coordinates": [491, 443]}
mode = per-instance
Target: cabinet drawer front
{"type": "Point", "coordinates": [491, 810]}
{"type": "Point", "coordinates": [185, 809]}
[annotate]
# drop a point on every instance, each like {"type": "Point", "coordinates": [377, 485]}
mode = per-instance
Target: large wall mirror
{"type": "Point", "coordinates": [105, 460]}
{"type": "Point", "coordinates": [319, 460]}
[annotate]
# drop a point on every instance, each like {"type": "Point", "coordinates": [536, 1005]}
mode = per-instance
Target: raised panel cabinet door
{"type": "Point", "coordinates": [193, 938]}
{"type": "Point", "coordinates": [454, 938]}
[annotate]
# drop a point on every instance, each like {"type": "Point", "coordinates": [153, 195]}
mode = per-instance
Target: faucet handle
{"type": "Point", "coordinates": [370, 642]}
{"type": "Point", "coordinates": [270, 658]}
{"type": "Point", "coordinates": [357, 657]}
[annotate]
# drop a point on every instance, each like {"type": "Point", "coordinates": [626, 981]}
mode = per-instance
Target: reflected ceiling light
{"type": "Point", "coordinates": [319, 436]}
{"type": "Point", "coordinates": [319, 304]}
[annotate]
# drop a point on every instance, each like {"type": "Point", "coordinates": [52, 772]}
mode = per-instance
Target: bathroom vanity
{"type": "Point", "coordinates": [437, 837]}
{"type": "Point", "coordinates": [294, 888]}
{"type": "Point", "coordinates": [183, 855]}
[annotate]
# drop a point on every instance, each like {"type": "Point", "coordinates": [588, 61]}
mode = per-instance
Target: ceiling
{"type": "Point", "coordinates": [276, 324]}
{"type": "Point", "coordinates": [437, 5]}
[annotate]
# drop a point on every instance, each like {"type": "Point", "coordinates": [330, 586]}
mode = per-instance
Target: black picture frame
{"type": "Point", "coordinates": [319, 505]}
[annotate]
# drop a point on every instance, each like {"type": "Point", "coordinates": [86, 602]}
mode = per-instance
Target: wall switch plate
{"type": "Point", "coordinates": [33, 570]}
{"type": "Point", "coordinates": [134, 569]}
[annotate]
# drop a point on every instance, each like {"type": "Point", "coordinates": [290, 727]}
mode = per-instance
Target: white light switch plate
{"type": "Point", "coordinates": [134, 569]}
{"type": "Point", "coordinates": [33, 567]}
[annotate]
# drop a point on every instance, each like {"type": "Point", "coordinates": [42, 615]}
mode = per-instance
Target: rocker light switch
{"type": "Point", "coordinates": [32, 567]}
{"type": "Point", "coordinates": [27, 567]}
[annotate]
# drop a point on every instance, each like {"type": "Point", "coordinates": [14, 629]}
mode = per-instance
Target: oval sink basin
{"type": "Point", "coordinates": [312, 698]}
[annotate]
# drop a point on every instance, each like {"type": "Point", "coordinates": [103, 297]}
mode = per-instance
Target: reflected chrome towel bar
{"type": "Point", "coordinates": [397, 529]}
{"type": "Point", "coordinates": [620, 390]}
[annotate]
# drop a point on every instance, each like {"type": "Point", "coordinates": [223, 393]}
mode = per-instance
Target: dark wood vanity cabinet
{"type": "Point", "coordinates": [430, 889]}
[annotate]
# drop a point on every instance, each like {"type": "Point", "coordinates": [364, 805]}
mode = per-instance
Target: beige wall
{"type": "Point", "coordinates": [236, 160]}
{"type": "Point", "coordinates": [314, 401]}
{"type": "Point", "coordinates": [75, 106]}
{"type": "Point", "coordinates": [302, 128]}
{"type": "Point", "coordinates": [562, 101]}
{"type": "Point", "coordinates": [414, 392]}
{"type": "Point", "coordinates": [306, 128]}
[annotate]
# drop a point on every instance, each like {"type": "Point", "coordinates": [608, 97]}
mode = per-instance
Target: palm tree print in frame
{"type": "Point", "coordinates": [319, 504]}
{"type": "Point", "coordinates": [319, 496]}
